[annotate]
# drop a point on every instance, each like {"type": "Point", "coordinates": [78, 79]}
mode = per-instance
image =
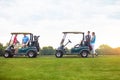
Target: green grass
{"type": "Point", "coordinates": [67, 68]}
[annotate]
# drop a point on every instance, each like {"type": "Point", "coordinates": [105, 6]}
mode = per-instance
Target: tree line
{"type": "Point", "coordinates": [108, 50]}
{"type": "Point", "coordinates": [2, 48]}
{"type": "Point", "coordinates": [103, 49]}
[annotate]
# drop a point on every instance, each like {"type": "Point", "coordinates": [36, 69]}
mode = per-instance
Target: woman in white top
{"type": "Point", "coordinates": [93, 39]}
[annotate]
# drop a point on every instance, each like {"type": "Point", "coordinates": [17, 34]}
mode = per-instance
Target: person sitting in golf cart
{"type": "Point", "coordinates": [15, 40]}
{"type": "Point", "coordinates": [25, 40]}
{"type": "Point", "coordinates": [15, 43]}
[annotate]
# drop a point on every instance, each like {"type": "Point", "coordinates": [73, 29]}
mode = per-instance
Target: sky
{"type": "Point", "coordinates": [49, 18]}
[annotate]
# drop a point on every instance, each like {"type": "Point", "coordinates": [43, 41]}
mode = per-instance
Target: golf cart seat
{"type": "Point", "coordinates": [80, 44]}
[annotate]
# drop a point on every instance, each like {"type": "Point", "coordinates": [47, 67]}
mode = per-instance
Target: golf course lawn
{"type": "Point", "coordinates": [66, 68]}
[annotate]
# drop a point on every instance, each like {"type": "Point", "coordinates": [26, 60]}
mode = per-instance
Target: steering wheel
{"type": "Point", "coordinates": [77, 46]}
{"type": "Point", "coordinates": [69, 41]}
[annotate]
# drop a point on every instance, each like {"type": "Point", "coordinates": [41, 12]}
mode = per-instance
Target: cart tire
{"type": "Point", "coordinates": [84, 54]}
{"type": "Point", "coordinates": [58, 54]}
{"type": "Point", "coordinates": [31, 54]}
{"type": "Point", "coordinates": [6, 55]}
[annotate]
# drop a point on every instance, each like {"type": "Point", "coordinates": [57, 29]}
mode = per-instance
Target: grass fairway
{"type": "Point", "coordinates": [51, 68]}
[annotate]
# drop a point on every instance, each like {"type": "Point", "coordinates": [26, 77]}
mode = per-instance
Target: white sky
{"type": "Point", "coordinates": [49, 18]}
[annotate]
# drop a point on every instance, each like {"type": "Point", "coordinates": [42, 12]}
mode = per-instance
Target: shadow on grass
{"type": "Point", "coordinates": [18, 57]}
{"type": "Point", "coordinates": [78, 56]}
{"type": "Point", "coordinates": [74, 56]}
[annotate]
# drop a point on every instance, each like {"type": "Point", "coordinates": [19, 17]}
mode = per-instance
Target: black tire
{"type": "Point", "coordinates": [84, 54]}
{"type": "Point", "coordinates": [58, 54]}
{"type": "Point", "coordinates": [32, 54]}
{"type": "Point", "coordinates": [6, 55]}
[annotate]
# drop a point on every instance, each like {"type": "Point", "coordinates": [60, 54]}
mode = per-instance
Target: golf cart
{"type": "Point", "coordinates": [80, 48]}
{"type": "Point", "coordinates": [31, 50]}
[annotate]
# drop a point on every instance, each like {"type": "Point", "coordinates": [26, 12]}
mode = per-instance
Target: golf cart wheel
{"type": "Point", "coordinates": [84, 54]}
{"type": "Point", "coordinates": [6, 55]}
{"type": "Point", "coordinates": [58, 54]}
{"type": "Point", "coordinates": [31, 54]}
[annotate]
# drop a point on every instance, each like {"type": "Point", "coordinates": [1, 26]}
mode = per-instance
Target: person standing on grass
{"type": "Point", "coordinates": [88, 39]}
{"type": "Point", "coordinates": [92, 43]}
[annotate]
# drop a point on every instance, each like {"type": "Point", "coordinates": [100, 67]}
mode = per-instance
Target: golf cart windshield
{"type": "Point", "coordinates": [65, 34]}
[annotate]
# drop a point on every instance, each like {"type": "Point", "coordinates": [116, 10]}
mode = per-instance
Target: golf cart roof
{"type": "Point", "coordinates": [20, 33]}
{"type": "Point", "coordinates": [73, 32]}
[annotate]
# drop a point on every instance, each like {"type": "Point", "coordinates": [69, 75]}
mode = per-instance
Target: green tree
{"type": "Point", "coordinates": [47, 50]}
{"type": "Point", "coordinates": [1, 49]}
{"type": "Point", "coordinates": [117, 51]}
{"type": "Point", "coordinates": [105, 49]}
